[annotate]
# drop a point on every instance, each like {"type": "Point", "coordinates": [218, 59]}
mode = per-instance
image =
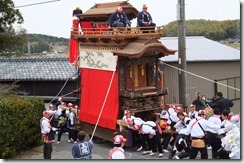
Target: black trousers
{"type": "Point", "coordinates": [47, 150]}
{"type": "Point", "coordinates": [193, 152]}
{"type": "Point", "coordinates": [137, 138]}
{"type": "Point", "coordinates": [215, 143]}
{"type": "Point", "coordinates": [166, 140]}
{"type": "Point", "coordinates": [145, 142]}
{"type": "Point", "coordinates": [62, 130]}
{"type": "Point", "coordinates": [155, 143]}
{"type": "Point", "coordinates": [72, 134]}
{"type": "Point", "coordinates": [184, 149]}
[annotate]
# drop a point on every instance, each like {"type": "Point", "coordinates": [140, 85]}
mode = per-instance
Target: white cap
{"type": "Point", "coordinates": [126, 112]}
{"type": "Point", "coordinates": [45, 113]}
{"type": "Point", "coordinates": [70, 105]}
{"type": "Point", "coordinates": [118, 139]}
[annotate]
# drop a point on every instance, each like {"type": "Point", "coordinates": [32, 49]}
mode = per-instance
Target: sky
{"type": "Point", "coordinates": [55, 18]}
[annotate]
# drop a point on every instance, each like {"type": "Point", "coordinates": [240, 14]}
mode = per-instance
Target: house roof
{"type": "Point", "coordinates": [36, 68]}
{"type": "Point", "coordinates": [200, 49]}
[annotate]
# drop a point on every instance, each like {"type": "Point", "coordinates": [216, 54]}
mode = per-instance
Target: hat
{"type": "Point", "coordinates": [118, 139]}
{"type": "Point", "coordinates": [202, 112]}
{"type": "Point", "coordinates": [126, 112]}
{"type": "Point", "coordinates": [128, 121]}
{"type": "Point", "coordinates": [119, 9]}
{"type": "Point", "coordinates": [191, 106]}
{"type": "Point", "coordinates": [178, 108]}
{"type": "Point", "coordinates": [45, 113]}
{"type": "Point", "coordinates": [70, 105]}
{"type": "Point", "coordinates": [144, 6]}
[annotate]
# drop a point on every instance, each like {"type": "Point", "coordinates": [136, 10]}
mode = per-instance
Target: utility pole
{"type": "Point", "coordinates": [182, 53]}
{"type": "Point", "coordinates": [28, 47]}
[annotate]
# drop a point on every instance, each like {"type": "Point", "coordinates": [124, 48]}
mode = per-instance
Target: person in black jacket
{"type": "Point", "coordinates": [77, 11]}
{"type": "Point", "coordinates": [199, 102]}
{"type": "Point", "coordinates": [144, 19]}
{"type": "Point", "coordinates": [221, 103]}
{"type": "Point", "coordinates": [118, 19]}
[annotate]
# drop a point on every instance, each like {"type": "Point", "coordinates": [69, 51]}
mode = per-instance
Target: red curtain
{"type": "Point", "coordinates": [74, 48]}
{"type": "Point", "coordinates": [94, 86]}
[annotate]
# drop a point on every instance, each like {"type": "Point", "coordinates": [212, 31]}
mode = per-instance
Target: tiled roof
{"type": "Point", "coordinates": [36, 68]}
{"type": "Point", "coordinates": [199, 48]}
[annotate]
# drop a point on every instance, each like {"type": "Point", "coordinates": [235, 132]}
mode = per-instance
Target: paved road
{"type": "Point", "coordinates": [101, 150]}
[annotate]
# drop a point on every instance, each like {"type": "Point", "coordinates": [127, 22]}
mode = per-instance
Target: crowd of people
{"type": "Point", "coordinates": [181, 134]}
{"type": "Point", "coordinates": [207, 124]}
{"type": "Point", "coordinates": [58, 119]}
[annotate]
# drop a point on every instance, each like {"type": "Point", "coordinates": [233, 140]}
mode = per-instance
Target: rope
{"type": "Point", "coordinates": [202, 77]}
{"type": "Point", "coordinates": [67, 94]}
{"type": "Point", "coordinates": [65, 84]}
{"type": "Point", "coordinates": [103, 105]}
{"type": "Point", "coordinates": [61, 88]}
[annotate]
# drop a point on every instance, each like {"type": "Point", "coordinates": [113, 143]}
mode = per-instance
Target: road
{"type": "Point", "coordinates": [101, 149]}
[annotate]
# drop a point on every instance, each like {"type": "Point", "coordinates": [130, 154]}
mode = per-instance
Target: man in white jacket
{"type": "Point", "coordinates": [45, 131]}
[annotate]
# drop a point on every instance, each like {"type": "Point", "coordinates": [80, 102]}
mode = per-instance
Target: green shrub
{"type": "Point", "coordinates": [19, 124]}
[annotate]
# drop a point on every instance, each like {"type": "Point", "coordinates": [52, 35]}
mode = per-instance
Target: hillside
{"type": "Point", "coordinates": [225, 32]}
{"type": "Point", "coordinates": [39, 43]}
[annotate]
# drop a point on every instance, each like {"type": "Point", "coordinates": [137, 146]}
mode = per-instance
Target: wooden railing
{"type": "Point", "coordinates": [116, 32]}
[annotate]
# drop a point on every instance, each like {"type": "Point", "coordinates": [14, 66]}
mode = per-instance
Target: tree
{"type": "Point", "coordinates": [8, 15]}
{"type": "Point", "coordinates": [11, 40]}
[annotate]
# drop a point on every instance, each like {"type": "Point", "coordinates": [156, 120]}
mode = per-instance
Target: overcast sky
{"type": "Point", "coordinates": [55, 18]}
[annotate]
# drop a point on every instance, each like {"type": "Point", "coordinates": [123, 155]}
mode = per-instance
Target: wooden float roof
{"type": "Point", "coordinates": [102, 11]}
{"type": "Point", "coordinates": [144, 47]}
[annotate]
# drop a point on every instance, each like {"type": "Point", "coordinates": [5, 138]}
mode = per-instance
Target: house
{"type": "Point", "coordinates": [208, 62]}
{"type": "Point", "coordinates": [48, 77]}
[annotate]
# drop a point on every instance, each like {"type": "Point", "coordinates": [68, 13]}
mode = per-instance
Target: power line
{"type": "Point", "coordinates": [33, 4]}
{"type": "Point", "coordinates": [202, 77]}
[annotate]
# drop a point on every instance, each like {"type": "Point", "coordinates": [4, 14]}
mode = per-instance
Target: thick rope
{"type": "Point", "coordinates": [103, 105]}
{"type": "Point", "coordinates": [65, 83]}
{"type": "Point", "coordinates": [202, 77]}
{"type": "Point", "coordinates": [61, 88]}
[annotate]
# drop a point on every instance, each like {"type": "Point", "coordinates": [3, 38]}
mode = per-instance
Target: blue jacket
{"type": "Point", "coordinates": [82, 150]}
{"type": "Point", "coordinates": [140, 18]}
{"type": "Point", "coordinates": [116, 16]}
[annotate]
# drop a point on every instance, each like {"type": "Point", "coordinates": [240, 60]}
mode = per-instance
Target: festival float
{"type": "Point", "coordinates": [118, 69]}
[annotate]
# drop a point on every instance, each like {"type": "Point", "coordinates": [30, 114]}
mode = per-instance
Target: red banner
{"type": "Point", "coordinates": [74, 49]}
{"type": "Point", "coordinates": [94, 86]}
